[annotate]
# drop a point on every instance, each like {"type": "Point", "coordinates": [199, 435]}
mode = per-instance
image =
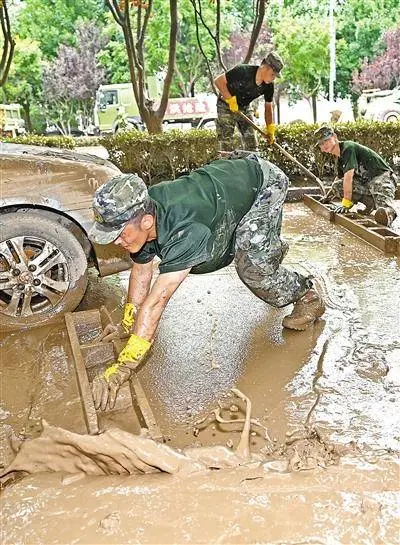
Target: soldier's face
{"type": "Point", "coordinates": [136, 233]}
{"type": "Point", "coordinates": [269, 75]}
{"type": "Point", "coordinates": [328, 145]}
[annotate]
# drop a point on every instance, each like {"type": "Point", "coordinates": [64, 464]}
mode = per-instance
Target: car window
{"type": "Point", "coordinates": [109, 98]}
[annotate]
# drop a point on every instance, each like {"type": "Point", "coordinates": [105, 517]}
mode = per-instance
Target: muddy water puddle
{"type": "Point", "coordinates": [216, 335]}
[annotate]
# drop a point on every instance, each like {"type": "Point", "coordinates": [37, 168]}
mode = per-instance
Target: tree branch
{"type": "Point", "coordinates": [218, 34]}
{"type": "Point", "coordinates": [8, 45]}
{"type": "Point", "coordinates": [210, 74]}
{"type": "Point", "coordinates": [215, 37]}
{"type": "Point", "coordinates": [258, 21]}
{"type": "Point", "coordinates": [146, 20]}
{"type": "Point", "coordinates": [171, 57]}
{"type": "Point", "coordinates": [115, 10]}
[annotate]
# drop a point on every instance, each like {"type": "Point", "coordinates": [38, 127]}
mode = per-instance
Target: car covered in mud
{"type": "Point", "coordinates": [45, 215]}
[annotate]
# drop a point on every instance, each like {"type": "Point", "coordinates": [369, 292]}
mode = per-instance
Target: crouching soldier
{"type": "Point", "coordinates": [227, 210]}
{"type": "Point", "coordinates": [364, 176]}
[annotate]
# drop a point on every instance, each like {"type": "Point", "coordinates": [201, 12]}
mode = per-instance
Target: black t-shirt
{"type": "Point", "coordinates": [197, 216]}
{"type": "Point", "coordinates": [241, 83]}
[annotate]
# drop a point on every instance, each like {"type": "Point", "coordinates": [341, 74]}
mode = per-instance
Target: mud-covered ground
{"type": "Point", "coordinates": [328, 397]}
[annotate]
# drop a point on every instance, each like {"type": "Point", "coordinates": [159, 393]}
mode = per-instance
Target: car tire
{"type": "Point", "coordinates": [43, 270]}
{"type": "Point", "coordinates": [390, 115]}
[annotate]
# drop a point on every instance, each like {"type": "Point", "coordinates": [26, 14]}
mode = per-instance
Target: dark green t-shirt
{"type": "Point", "coordinates": [197, 215]}
{"type": "Point", "coordinates": [241, 82]}
{"type": "Point", "coordinates": [366, 163]}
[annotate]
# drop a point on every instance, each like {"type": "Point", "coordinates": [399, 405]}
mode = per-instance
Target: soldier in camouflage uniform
{"type": "Point", "coordinates": [364, 176]}
{"type": "Point", "coordinates": [228, 210]}
{"type": "Point", "coordinates": [237, 88]}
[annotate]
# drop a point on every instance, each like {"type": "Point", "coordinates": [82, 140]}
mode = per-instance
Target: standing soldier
{"type": "Point", "coordinates": [238, 87]}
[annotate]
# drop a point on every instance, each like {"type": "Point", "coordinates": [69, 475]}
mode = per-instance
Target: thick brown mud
{"type": "Point", "coordinates": [335, 386]}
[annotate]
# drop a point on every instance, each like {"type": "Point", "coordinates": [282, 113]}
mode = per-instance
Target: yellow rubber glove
{"type": "Point", "coordinates": [129, 317]}
{"type": "Point", "coordinates": [271, 133]}
{"type": "Point", "coordinates": [122, 330]}
{"type": "Point", "coordinates": [232, 103]}
{"type": "Point", "coordinates": [106, 385]}
{"type": "Point", "coordinates": [135, 349]}
{"type": "Point", "coordinates": [344, 207]}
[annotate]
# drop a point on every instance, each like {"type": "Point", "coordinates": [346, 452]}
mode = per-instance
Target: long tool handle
{"type": "Point", "coordinates": [284, 152]}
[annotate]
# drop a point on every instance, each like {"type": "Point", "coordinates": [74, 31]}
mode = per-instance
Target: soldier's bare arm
{"type": "Point", "coordinates": [348, 185]}
{"type": "Point", "coordinates": [221, 84]}
{"type": "Point", "coordinates": [139, 282]}
{"type": "Point", "coordinates": [153, 306]}
{"type": "Point", "coordinates": [269, 113]}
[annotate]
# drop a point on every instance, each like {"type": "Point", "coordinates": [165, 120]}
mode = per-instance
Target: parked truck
{"type": "Point", "coordinates": [116, 108]}
{"type": "Point", "coordinates": [380, 105]}
{"type": "Point", "coordinates": [11, 121]}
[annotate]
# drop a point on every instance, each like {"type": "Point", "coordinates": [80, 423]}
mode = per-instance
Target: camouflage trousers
{"type": "Point", "coordinates": [226, 124]}
{"type": "Point", "coordinates": [379, 191]}
{"type": "Point", "coordinates": [259, 249]}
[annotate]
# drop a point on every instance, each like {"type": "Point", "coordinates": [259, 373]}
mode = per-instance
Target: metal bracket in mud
{"type": "Point", "coordinates": [364, 227]}
{"type": "Point", "coordinates": [91, 356]}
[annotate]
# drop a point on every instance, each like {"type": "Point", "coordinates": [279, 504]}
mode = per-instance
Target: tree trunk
{"type": "Point", "coordinates": [153, 122]}
{"type": "Point", "coordinates": [26, 107]}
{"type": "Point", "coordinates": [314, 107]}
{"type": "Point", "coordinates": [134, 42]}
{"type": "Point", "coordinates": [278, 107]}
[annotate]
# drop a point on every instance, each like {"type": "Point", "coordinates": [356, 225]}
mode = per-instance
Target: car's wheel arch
{"type": "Point", "coordinates": [63, 219]}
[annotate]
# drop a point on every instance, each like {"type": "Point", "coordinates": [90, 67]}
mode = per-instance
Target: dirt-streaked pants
{"type": "Point", "coordinates": [379, 191]}
{"type": "Point", "coordinates": [259, 248]}
{"type": "Point", "coordinates": [226, 123]}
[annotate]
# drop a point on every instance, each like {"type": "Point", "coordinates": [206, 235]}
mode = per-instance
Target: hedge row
{"type": "Point", "coordinates": [166, 156]}
{"type": "Point", "coordinates": [65, 142]}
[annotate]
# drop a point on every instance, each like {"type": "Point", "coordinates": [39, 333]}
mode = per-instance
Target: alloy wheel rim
{"type": "Point", "coordinates": [34, 276]}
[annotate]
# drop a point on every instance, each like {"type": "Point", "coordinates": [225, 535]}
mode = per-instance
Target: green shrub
{"type": "Point", "coordinates": [66, 142]}
{"type": "Point", "coordinates": [87, 141]}
{"type": "Point", "coordinates": [162, 156]}
{"type": "Point", "coordinates": [168, 155]}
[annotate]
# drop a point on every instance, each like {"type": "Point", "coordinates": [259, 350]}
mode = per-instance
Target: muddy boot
{"type": "Point", "coordinates": [305, 311]}
{"type": "Point", "coordinates": [385, 216]}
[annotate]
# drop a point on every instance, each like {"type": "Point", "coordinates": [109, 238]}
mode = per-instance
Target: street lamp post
{"type": "Point", "coordinates": [332, 50]}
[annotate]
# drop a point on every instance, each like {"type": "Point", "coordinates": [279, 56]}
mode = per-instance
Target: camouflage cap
{"type": "Point", "coordinates": [274, 61]}
{"type": "Point", "coordinates": [323, 133]}
{"type": "Point", "coordinates": [114, 204]}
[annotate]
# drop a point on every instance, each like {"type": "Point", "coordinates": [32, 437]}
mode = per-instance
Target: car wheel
{"type": "Point", "coordinates": [43, 270]}
{"type": "Point", "coordinates": [390, 115]}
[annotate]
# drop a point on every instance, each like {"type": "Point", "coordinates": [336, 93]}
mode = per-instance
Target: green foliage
{"type": "Point", "coordinates": [53, 22]}
{"type": "Point", "coordinates": [113, 56]}
{"type": "Point", "coordinates": [303, 41]}
{"type": "Point", "coordinates": [360, 27]}
{"type": "Point", "coordinates": [298, 140]}
{"type": "Point", "coordinates": [190, 68]}
{"type": "Point", "coordinates": [24, 83]}
{"type": "Point", "coordinates": [65, 142]}
{"type": "Point", "coordinates": [168, 155]}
